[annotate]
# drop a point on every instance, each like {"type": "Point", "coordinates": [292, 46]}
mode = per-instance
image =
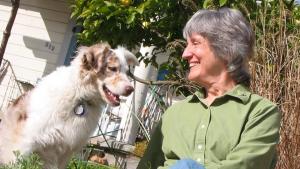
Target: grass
{"type": "Point", "coordinates": [79, 164]}
{"type": "Point", "coordinates": [33, 162]}
{"type": "Point", "coordinates": [276, 75]}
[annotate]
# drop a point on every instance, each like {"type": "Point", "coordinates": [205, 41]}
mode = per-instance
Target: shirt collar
{"type": "Point", "coordinates": [240, 92]}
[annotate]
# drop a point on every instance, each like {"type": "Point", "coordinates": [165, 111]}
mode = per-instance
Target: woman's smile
{"type": "Point", "coordinates": [192, 64]}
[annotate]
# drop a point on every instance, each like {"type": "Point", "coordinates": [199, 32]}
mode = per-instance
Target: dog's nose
{"type": "Point", "coordinates": [128, 90]}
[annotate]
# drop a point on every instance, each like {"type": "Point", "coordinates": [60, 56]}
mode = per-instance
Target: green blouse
{"type": "Point", "coordinates": [239, 130]}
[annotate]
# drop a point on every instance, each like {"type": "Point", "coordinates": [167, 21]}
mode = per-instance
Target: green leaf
{"type": "Point", "coordinates": [107, 3]}
{"type": "Point", "coordinates": [85, 13]}
{"type": "Point", "coordinates": [104, 10]}
{"type": "Point", "coordinates": [117, 12]}
{"type": "Point", "coordinates": [131, 18]}
{"type": "Point", "coordinates": [97, 22]}
{"type": "Point", "coordinates": [140, 9]}
{"type": "Point", "coordinates": [206, 3]}
{"type": "Point", "coordinates": [222, 2]}
{"type": "Point", "coordinates": [73, 14]}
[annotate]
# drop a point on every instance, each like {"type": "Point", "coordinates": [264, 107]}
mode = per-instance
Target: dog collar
{"type": "Point", "coordinates": [80, 109]}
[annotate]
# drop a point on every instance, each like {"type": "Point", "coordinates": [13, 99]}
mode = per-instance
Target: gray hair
{"type": "Point", "coordinates": [230, 37]}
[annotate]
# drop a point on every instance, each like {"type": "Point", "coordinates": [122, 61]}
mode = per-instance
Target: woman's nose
{"type": "Point", "coordinates": [186, 53]}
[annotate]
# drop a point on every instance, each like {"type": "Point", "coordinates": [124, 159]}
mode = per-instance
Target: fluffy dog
{"type": "Point", "coordinates": [56, 118]}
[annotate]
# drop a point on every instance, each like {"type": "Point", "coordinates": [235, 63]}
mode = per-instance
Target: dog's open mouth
{"type": "Point", "coordinates": [114, 99]}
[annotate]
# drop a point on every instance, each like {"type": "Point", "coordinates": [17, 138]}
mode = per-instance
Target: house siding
{"type": "Point", "coordinates": [38, 42]}
{"type": "Point", "coordinates": [38, 33]}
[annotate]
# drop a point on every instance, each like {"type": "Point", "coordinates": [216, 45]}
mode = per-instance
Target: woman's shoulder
{"type": "Point", "coordinates": [181, 102]}
{"type": "Point", "coordinates": [261, 100]}
{"type": "Point", "coordinates": [262, 106]}
{"type": "Point", "coordinates": [177, 105]}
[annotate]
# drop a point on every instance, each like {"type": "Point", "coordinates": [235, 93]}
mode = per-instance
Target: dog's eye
{"type": "Point", "coordinates": [113, 69]}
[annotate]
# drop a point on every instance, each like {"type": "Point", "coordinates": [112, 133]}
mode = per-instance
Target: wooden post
{"type": "Point", "coordinates": [6, 33]}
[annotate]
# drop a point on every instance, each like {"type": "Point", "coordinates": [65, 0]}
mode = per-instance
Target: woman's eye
{"type": "Point", "coordinates": [113, 69]}
{"type": "Point", "coordinates": [196, 43]}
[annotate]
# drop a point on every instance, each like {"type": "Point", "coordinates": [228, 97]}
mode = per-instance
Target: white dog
{"type": "Point", "coordinates": [56, 118]}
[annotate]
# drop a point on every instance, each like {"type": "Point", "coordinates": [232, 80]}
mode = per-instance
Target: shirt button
{"type": "Point", "coordinates": [199, 146]}
{"type": "Point", "coordinates": [202, 126]}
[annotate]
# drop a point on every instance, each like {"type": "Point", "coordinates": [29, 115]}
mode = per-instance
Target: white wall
{"type": "Point", "coordinates": [38, 42]}
{"type": "Point", "coordinates": [38, 33]}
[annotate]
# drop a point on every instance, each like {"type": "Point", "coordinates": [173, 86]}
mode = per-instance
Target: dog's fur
{"type": "Point", "coordinates": [44, 120]}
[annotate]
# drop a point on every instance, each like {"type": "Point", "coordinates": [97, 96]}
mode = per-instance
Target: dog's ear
{"type": "Point", "coordinates": [88, 59]}
{"type": "Point", "coordinates": [106, 50]}
{"type": "Point", "coordinates": [126, 56]}
{"type": "Point", "coordinates": [130, 58]}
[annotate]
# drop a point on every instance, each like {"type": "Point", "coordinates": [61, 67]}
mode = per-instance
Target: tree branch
{"type": "Point", "coordinates": [150, 82]}
{"type": "Point", "coordinates": [6, 33]}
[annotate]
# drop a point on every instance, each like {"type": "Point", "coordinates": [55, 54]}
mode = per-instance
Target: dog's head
{"type": "Point", "coordinates": [106, 69]}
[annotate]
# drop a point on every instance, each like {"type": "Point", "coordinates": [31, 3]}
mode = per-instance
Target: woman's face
{"type": "Point", "coordinates": [205, 67]}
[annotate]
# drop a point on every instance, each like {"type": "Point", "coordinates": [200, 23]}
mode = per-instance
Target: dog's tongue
{"type": "Point", "coordinates": [113, 98]}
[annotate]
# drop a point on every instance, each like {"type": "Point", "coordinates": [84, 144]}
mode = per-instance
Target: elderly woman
{"type": "Point", "coordinates": [224, 125]}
